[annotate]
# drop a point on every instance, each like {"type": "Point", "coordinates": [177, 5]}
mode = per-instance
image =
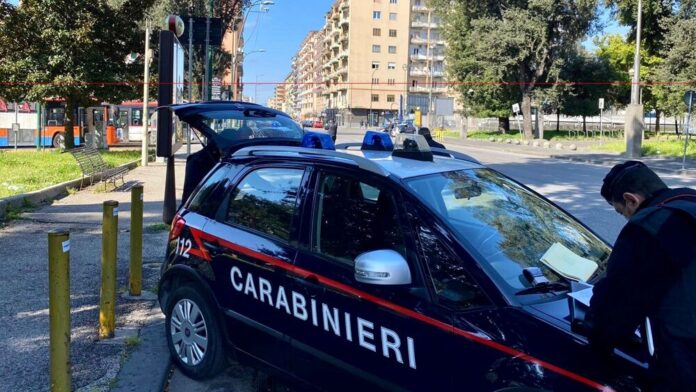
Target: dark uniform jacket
{"type": "Point", "coordinates": [652, 273]}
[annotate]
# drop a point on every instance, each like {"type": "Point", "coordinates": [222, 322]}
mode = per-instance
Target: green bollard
{"type": "Point", "coordinates": [107, 302]}
{"type": "Point", "coordinates": [135, 279]}
{"type": "Point", "coordinates": [59, 309]}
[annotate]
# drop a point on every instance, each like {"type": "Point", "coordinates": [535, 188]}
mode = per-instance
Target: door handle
{"type": "Point", "coordinates": [310, 286]}
{"type": "Point", "coordinates": [212, 246]}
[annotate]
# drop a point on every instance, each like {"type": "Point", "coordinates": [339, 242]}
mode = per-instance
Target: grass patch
{"type": "Point", "coordinates": [132, 341]}
{"type": "Point", "coordinates": [156, 227]}
{"type": "Point", "coordinates": [672, 148]}
{"type": "Point", "coordinates": [29, 170]}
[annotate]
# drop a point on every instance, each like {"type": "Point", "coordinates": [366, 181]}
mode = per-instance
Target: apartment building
{"type": "Point", "coordinates": [309, 75]}
{"type": "Point", "coordinates": [381, 55]}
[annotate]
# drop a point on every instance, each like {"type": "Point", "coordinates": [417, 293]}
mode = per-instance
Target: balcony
{"type": "Point", "coordinates": [418, 72]}
{"type": "Point", "coordinates": [419, 8]}
{"type": "Point", "coordinates": [345, 19]}
{"type": "Point", "coordinates": [343, 54]}
{"type": "Point", "coordinates": [424, 24]}
{"type": "Point", "coordinates": [426, 89]}
{"type": "Point", "coordinates": [418, 57]}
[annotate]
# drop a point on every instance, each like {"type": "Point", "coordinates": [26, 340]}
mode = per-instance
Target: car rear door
{"type": "Point", "coordinates": [252, 244]}
{"type": "Point", "coordinates": [354, 335]}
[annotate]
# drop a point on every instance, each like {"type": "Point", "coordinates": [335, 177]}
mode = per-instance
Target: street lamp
{"type": "Point", "coordinates": [633, 126]}
{"type": "Point", "coordinates": [263, 5]}
{"type": "Point", "coordinates": [256, 88]}
{"type": "Point", "coordinates": [239, 56]}
{"type": "Point", "coordinates": [372, 83]}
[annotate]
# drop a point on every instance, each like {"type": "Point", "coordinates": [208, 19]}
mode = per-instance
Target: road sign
{"type": "Point", "coordinates": [690, 96]}
{"type": "Point", "coordinates": [199, 24]}
{"type": "Point", "coordinates": [215, 89]}
{"type": "Point", "coordinates": [601, 104]}
{"type": "Point", "coordinates": [516, 108]}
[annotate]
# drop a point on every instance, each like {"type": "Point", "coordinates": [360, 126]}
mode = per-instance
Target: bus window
{"type": "Point", "coordinates": [123, 118]}
{"type": "Point", "coordinates": [136, 117]}
{"type": "Point", "coordinates": [55, 116]}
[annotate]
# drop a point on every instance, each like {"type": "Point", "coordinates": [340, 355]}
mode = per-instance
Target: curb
{"type": "Point", "coordinates": [42, 195]}
{"type": "Point", "coordinates": [147, 367]}
{"type": "Point", "coordinates": [548, 152]}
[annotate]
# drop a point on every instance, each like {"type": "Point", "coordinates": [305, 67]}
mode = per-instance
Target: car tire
{"type": "Point", "coordinates": [58, 140]}
{"type": "Point", "coordinates": [193, 334]}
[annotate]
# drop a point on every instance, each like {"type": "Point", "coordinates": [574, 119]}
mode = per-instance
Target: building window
{"type": "Point", "coordinates": [392, 33]}
{"type": "Point", "coordinates": [375, 65]}
{"type": "Point", "coordinates": [415, 51]}
{"type": "Point", "coordinates": [390, 98]}
{"type": "Point", "coordinates": [392, 16]}
{"type": "Point", "coordinates": [390, 82]}
{"type": "Point", "coordinates": [376, 15]}
{"type": "Point", "coordinates": [375, 98]}
{"type": "Point", "coordinates": [375, 80]}
{"type": "Point", "coordinates": [391, 66]}
{"type": "Point", "coordinates": [376, 32]}
{"type": "Point", "coordinates": [392, 49]}
{"type": "Point", "coordinates": [376, 49]}
{"type": "Point", "coordinates": [393, 1]}
{"type": "Point", "coordinates": [414, 83]}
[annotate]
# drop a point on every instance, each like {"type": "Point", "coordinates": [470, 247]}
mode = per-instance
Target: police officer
{"type": "Point", "coordinates": [650, 273]}
{"type": "Point", "coordinates": [425, 132]}
{"type": "Point", "coordinates": [333, 129]}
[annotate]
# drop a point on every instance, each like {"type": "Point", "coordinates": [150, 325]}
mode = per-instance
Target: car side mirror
{"type": "Point", "coordinates": [382, 267]}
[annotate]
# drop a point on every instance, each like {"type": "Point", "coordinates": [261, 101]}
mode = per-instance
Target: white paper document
{"type": "Point", "coordinates": [568, 264]}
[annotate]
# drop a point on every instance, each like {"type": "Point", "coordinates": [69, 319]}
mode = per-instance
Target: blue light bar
{"type": "Point", "coordinates": [318, 140]}
{"type": "Point", "coordinates": [377, 141]}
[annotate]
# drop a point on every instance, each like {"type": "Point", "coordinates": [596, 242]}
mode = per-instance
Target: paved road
{"type": "Point", "coordinates": [573, 186]}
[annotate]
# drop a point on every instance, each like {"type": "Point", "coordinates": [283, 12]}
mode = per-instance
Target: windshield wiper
{"type": "Point", "coordinates": [545, 288]}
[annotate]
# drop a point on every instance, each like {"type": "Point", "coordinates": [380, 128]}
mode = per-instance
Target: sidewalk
{"type": "Point", "coordinates": [668, 165]}
{"type": "Point", "coordinates": [24, 289]}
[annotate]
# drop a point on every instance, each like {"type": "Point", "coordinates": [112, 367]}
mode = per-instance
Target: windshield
{"type": "Point", "coordinates": [511, 228]}
{"type": "Point", "coordinates": [236, 125]}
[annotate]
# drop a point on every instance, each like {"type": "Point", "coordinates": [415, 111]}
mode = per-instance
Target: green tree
{"type": "Point", "coordinates": [678, 70]}
{"type": "Point", "coordinates": [502, 50]}
{"type": "Point", "coordinates": [588, 74]}
{"type": "Point", "coordinates": [73, 49]}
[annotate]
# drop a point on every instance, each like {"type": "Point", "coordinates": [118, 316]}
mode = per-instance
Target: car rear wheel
{"type": "Point", "coordinates": [193, 334]}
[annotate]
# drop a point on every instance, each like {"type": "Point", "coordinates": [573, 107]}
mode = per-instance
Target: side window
{"type": "Point", "coordinates": [449, 277]}
{"type": "Point", "coordinates": [206, 200]}
{"type": "Point", "coordinates": [353, 217]}
{"type": "Point", "coordinates": [265, 201]}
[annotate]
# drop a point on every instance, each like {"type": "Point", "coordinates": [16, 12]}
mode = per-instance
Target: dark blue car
{"type": "Point", "coordinates": [379, 267]}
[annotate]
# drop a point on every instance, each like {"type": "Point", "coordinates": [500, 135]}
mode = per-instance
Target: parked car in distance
{"type": "Point", "coordinates": [318, 124]}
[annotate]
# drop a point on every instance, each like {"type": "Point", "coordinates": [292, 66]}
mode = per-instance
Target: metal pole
{"type": "Point", "coordinates": [136, 241]}
{"type": "Point", "coordinates": [601, 126]}
{"type": "Point", "coordinates": [633, 127]}
{"type": "Point", "coordinates": [16, 131]}
{"type": "Point", "coordinates": [687, 128]}
{"type": "Point", "coordinates": [430, 75]}
{"type": "Point", "coordinates": [107, 300]}
{"type": "Point", "coordinates": [59, 309]}
{"type": "Point", "coordinates": [146, 98]}
{"type": "Point", "coordinates": [190, 79]}
{"type": "Point", "coordinates": [206, 96]}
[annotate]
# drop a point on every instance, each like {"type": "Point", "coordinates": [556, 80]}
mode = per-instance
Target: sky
{"type": "Point", "coordinates": [279, 32]}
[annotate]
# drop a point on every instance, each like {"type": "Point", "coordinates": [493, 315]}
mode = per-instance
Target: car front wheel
{"type": "Point", "coordinates": [193, 334]}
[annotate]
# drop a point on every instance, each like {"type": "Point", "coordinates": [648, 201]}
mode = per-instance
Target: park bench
{"type": "Point", "coordinates": [92, 165]}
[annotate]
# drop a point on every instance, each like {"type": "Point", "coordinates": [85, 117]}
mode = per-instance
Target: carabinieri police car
{"type": "Point", "coordinates": [377, 266]}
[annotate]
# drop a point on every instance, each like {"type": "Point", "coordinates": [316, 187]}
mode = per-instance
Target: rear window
{"type": "Point", "coordinates": [207, 198]}
{"type": "Point", "coordinates": [237, 125]}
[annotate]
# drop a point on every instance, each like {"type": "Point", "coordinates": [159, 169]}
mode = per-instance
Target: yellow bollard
{"type": "Point", "coordinates": [107, 302]}
{"type": "Point", "coordinates": [135, 279]}
{"type": "Point", "coordinates": [59, 309]}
